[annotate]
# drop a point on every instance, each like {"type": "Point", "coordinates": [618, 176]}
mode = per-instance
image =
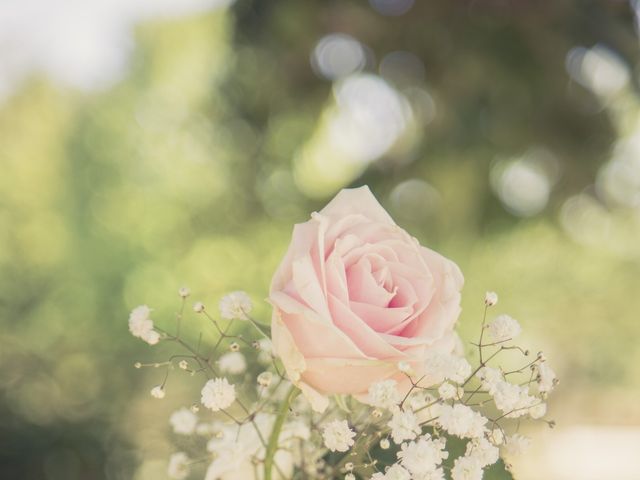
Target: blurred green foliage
{"type": "Point", "coordinates": [188, 172]}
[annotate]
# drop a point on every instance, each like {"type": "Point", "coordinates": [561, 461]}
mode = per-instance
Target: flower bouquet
{"type": "Point", "coordinates": [361, 374]}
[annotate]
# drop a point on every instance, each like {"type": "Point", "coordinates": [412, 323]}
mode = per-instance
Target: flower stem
{"type": "Point", "coordinates": [272, 446]}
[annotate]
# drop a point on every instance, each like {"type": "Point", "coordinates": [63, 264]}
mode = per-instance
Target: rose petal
{"type": "Point", "coordinates": [303, 239]}
{"type": "Point", "coordinates": [318, 402]}
{"type": "Point", "coordinates": [355, 377]}
{"type": "Point", "coordinates": [313, 334]}
{"type": "Point", "coordinates": [367, 340]}
{"type": "Point", "coordinates": [357, 200]}
{"type": "Point", "coordinates": [307, 284]}
{"type": "Point", "coordinates": [362, 286]}
{"type": "Point", "coordinates": [444, 309]}
{"type": "Point", "coordinates": [381, 319]}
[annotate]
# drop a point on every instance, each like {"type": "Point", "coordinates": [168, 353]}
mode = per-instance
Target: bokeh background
{"type": "Point", "coordinates": [158, 143]}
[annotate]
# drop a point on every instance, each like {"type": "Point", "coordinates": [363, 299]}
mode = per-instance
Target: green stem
{"type": "Point", "coordinates": [272, 446]}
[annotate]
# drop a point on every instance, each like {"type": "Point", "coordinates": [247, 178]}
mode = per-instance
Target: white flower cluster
{"type": "Point", "coordinates": [445, 366]}
{"type": "Point", "coordinates": [235, 305]}
{"type": "Point", "coordinates": [384, 394]}
{"type": "Point", "coordinates": [218, 394]}
{"type": "Point", "coordinates": [236, 448]}
{"type": "Point", "coordinates": [141, 326]}
{"type": "Point", "coordinates": [253, 423]}
{"type": "Point", "coordinates": [337, 435]}
{"type": "Point", "coordinates": [504, 328]}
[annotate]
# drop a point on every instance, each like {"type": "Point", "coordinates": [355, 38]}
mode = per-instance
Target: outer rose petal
{"type": "Point", "coordinates": [357, 201]}
{"type": "Point", "coordinates": [302, 242]}
{"type": "Point", "coordinates": [339, 375]}
{"type": "Point", "coordinates": [294, 362]}
{"type": "Point", "coordinates": [286, 348]}
{"type": "Point", "coordinates": [312, 335]}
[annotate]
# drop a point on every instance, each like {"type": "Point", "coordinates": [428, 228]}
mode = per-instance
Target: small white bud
{"type": "Point", "coordinates": [183, 364]}
{"type": "Point", "coordinates": [404, 367]}
{"type": "Point", "coordinates": [490, 299]}
{"type": "Point", "coordinates": [184, 292]}
{"type": "Point", "coordinates": [376, 413]}
{"type": "Point", "coordinates": [348, 466]}
{"type": "Point", "coordinates": [349, 476]}
{"type": "Point", "coordinates": [137, 365]}
{"type": "Point", "coordinates": [158, 392]}
{"type": "Point", "coordinates": [195, 408]}
{"type": "Point", "coordinates": [198, 307]}
{"type": "Point", "coordinates": [264, 379]}
{"type": "Point", "coordinates": [234, 347]}
{"type": "Point", "coordinates": [384, 444]}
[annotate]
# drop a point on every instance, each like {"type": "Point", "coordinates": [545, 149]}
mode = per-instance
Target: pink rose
{"type": "Point", "coordinates": [354, 295]}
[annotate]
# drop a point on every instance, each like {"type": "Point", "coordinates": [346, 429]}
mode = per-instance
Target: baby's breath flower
{"type": "Point", "coordinates": [538, 411]}
{"type": "Point", "coordinates": [184, 292]}
{"type": "Point", "coordinates": [466, 468]}
{"type": "Point", "coordinates": [384, 394]}
{"type": "Point", "coordinates": [265, 347]}
{"type": "Point", "coordinates": [198, 307]}
{"type": "Point", "coordinates": [349, 476]}
{"type": "Point", "coordinates": [218, 394]}
{"type": "Point", "coordinates": [183, 364]}
{"type": "Point", "coordinates": [546, 377]}
{"type": "Point", "coordinates": [516, 444]}
{"type": "Point", "coordinates": [178, 466]}
{"type": "Point", "coordinates": [513, 400]}
{"type": "Point", "coordinates": [337, 435]}
{"type": "Point", "coordinates": [443, 366]}
{"type": "Point", "coordinates": [503, 328]}
{"type": "Point", "coordinates": [490, 299]}
{"type": "Point", "coordinates": [461, 420]}
{"type": "Point", "coordinates": [234, 346]}
{"type": "Point", "coordinates": [141, 326]}
{"type": "Point", "coordinates": [490, 378]}
{"type": "Point", "coordinates": [397, 472]}
{"type": "Point", "coordinates": [235, 305]}
{"type": "Point", "coordinates": [158, 392]}
{"type": "Point", "coordinates": [195, 408]}
{"type": "Point", "coordinates": [447, 391]}
{"type": "Point", "coordinates": [183, 421]}
{"type": "Point", "coordinates": [233, 363]}
{"type": "Point", "coordinates": [437, 474]}
{"type": "Point", "coordinates": [385, 444]}
{"type": "Point", "coordinates": [137, 365]}
{"type": "Point", "coordinates": [423, 455]}
{"type": "Point", "coordinates": [482, 450]}
{"type": "Point", "coordinates": [404, 425]}
{"type": "Point", "coordinates": [264, 379]}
